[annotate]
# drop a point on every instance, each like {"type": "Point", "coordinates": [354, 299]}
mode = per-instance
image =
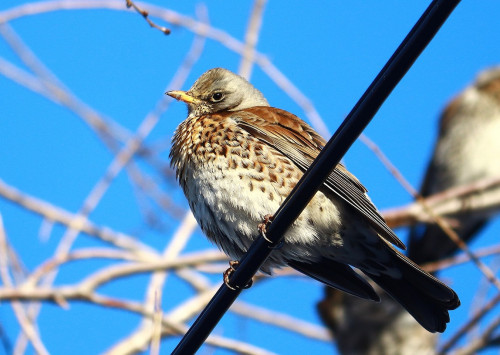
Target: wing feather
{"type": "Point", "coordinates": [301, 144]}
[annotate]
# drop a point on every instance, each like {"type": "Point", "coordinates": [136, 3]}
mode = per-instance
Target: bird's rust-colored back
{"type": "Point", "coordinates": [296, 140]}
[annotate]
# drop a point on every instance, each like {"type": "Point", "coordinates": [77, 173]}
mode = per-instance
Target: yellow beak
{"type": "Point", "coordinates": [183, 96]}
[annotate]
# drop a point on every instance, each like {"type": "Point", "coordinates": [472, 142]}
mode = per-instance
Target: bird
{"type": "Point", "coordinates": [467, 150]}
{"type": "Point", "coordinates": [237, 158]}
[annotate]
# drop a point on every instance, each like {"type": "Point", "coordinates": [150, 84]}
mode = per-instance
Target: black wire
{"type": "Point", "coordinates": [354, 124]}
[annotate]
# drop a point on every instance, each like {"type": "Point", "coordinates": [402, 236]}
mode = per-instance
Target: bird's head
{"type": "Point", "coordinates": [219, 90]}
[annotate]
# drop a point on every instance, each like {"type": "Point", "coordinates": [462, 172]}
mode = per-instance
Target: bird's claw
{"type": "Point", "coordinates": [268, 218]}
{"type": "Point", "coordinates": [233, 265]}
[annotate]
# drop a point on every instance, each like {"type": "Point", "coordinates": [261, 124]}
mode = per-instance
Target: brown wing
{"type": "Point", "coordinates": [300, 143]}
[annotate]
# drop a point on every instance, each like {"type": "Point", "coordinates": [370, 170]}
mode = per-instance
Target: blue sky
{"type": "Point", "coordinates": [117, 64]}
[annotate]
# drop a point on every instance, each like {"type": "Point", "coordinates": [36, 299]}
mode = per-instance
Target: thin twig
{"type": "Point", "coordinates": [460, 259]}
{"type": "Point", "coordinates": [27, 325]}
{"type": "Point", "coordinates": [251, 38]}
{"type": "Point", "coordinates": [82, 254]}
{"type": "Point", "coordinates": [481, 196]}
{"type": "Point", "coordinates": [282, 321]}
{"type": "Point", "coordinates": [145, 14]}
{"type": "Point", "coordinates": [101, 277]}
{"type": "Point", "coordinates": [114, 272]}
{"type": "Point", "coordinates": [157, 317]}
{"type": "Point", "coordinates": [481, 342]}
{"type": "Point", "coordinates": [469, 325]}
{"type": "Point", "coordinates": [70, 220]}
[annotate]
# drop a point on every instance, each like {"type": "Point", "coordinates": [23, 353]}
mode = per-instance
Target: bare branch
{"type": "Point", "coordinates": [460, 259]}
{"type": "Point", "coordinates": [70, 220]}
{"type": "Point", "coordinates": [111, 273]}
{"type": "Point", "coordinates": [145, 14]}
{"type": "Point", "coordinates": [472, 322]}
{"type": "Point", "coordinates": [27, 325]}
{"type": "Point", "coordinates": [83, 254]}
{"type": "Point", "coordinates": [251, 38]}
{"type": "Point", "coordinates": [281, 320]}
{"type": "Point", "coordinates": [485, 340]}
{"type": "Point", "coordinates": [481, 196]}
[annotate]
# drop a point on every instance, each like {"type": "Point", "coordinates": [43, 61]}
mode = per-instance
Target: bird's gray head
{"type": "Point", "coordinates": [219, 90]}
{"type": "Point", "coordinates": [488, 75]}
{"type": "Point", "coordinates": [488, 81]}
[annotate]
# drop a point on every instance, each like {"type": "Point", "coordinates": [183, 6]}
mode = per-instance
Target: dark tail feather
{"type": "Point", "coordinates": [337, 275]}
{"type": "Point", "coordinates": [426, 298]}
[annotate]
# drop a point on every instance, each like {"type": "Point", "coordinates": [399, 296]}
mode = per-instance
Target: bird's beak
{"type": "Point", "coordinates": [183, 96]}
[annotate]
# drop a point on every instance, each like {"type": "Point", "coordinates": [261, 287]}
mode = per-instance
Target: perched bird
{"type": "Point", "coordinates": [467, 150]}
{"type": "Point", "coordinates": [237, 158]}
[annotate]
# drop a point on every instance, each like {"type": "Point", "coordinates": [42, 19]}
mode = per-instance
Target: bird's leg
{"type": "Point", "coordinates": [268, 218]}
{"type": "Point", "coordinates": [233, 265]}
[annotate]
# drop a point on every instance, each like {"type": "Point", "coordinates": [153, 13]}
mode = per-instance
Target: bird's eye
{"type": "Point", "coordinates": [217, 96]}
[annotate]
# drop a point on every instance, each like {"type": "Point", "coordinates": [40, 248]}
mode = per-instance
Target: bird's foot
{"type": "Point", "coordinates": [233, 265]}
{"type": "Point", "coordinates": [268, 218]}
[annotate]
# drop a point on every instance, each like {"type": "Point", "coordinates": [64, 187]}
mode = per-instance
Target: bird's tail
{"type": "Point", "coordinates": [426, 298]}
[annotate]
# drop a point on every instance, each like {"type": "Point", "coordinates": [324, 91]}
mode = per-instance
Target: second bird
{"type": "Point", "coordinates": [237, 159]}
{"type": "Point", "coordinates": [467, 150]}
